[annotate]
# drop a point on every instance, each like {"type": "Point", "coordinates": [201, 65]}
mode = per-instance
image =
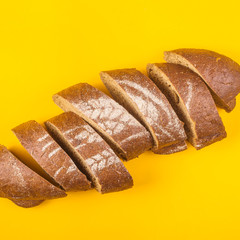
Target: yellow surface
{"type": "Point", "coordinates": [46, 46]}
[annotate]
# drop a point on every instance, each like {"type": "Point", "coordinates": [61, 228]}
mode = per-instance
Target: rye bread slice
{"type": "Point", "coordinates": [143, 99]}
{"type": "Point", "coordinates": [50, 156]}
{"type": "Point", "coordinates": [191, 100]}
{"type": "Point", "coordinates": [21, 184]}
{"type": "Point", "coordinates": [127, 137]}
{"type": "Point", "coordinates": [24, 203]}
{"type": "Point", "coordinates": [90, 152]}
{"type": "Point", "coordinates": [220, 73]}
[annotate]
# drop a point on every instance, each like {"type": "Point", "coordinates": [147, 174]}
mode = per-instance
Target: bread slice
{"type": "Point", "coordinates": [220, 73]}
{"type": "Point", "coordinates": [191, 100]}
{"type": "Point", "coordinates": [127, 137]}
{"type": "Point", "coordinates": [143, 99]}
{"type": "Point", "coordinates": [24, 203]}
{"type": "Point", "coordinates": [51, 157]}
{"type": "Point", "coordinates": [21, 184]}
{"type": "Point", "coordinates": [90, 152]}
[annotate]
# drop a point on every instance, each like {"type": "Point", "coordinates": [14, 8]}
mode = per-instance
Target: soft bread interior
{"type": "Point", "coordinates": [73, 153]}
{"type": "Point", "coordinates": [66, 106]}
{"type": "Point", "coordinates": [121, 97]}
{"type": "Point", "coordinates": [172, 57]}
{"type": "Point", "coordinates": [165, 85]}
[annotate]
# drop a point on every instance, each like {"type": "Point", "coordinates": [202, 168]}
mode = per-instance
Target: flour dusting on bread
{"type": "Point", "coordinates": [189, 95]}
{"type": "Point", "coordinates": [90, 152]}
{"type": "Point", "coordinates": [138, 94]}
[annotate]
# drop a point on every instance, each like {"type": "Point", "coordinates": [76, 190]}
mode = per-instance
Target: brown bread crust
{"type": "Point", "coordinates": [19, 183]}
{"type": "Point", "coordinates": [24, 203]}
{"type": "Point", "coordinates": [49, 155]}
{"type": "Point", "coordinates": [27, 203]}
{"type": "Point", "coordinates": [110, 120]}
{"type": "Point", "coordinates": [197, 100]}
{"type": "Point", "coordinates": [220, 73]}
{"type": "Point", "coordinates": [96, 155]}
{"type": "Point", "coordinates": [143, 99]}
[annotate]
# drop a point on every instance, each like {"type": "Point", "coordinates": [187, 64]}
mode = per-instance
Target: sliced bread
{"type": "Point", "coordinates": [21, 184]}
{"type": "Point", "coordinates": [50, 156]}
{"type": "Point", "coordinates": [90, 152]}
{"type": "Point", "coordinates": [220, 73]}
{"type": "Point", "coordinates": [143, 99]}
{"type": "Point", "coordinates": [127, 137]}
{"type": "Point", "coordinates": [191, 100]}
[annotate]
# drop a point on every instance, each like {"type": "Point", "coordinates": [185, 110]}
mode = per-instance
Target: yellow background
{"type": "Point", "coordinates": [46, 46]}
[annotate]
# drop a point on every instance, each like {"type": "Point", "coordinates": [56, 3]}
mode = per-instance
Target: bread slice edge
{"type": "Point", "coordinates": [66, 107]}
{"type": "Point", "coordinates": [172, 57]}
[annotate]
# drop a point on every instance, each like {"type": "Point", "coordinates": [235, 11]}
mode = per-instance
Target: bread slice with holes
{"type": "Point", "coordinates": [143, 99]}
{"type": "Point", "coordinates": [51, 157]}
{"type": "Point", "coordinates": [93, 155]}
{"type": "Point", "coordinates": [191, 100]}
{"type": "Point", "coordinates": [21, 184]}
{"type": "Point", "coordinates": [127, 137]}
{"type": "Point", "coordinates": [220, 73]}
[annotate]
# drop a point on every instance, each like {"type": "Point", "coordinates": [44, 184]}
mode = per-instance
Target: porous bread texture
{"type": "Point", "coordinates": [139, 95]}
{"type": "Point", "coordinates": [90, 152]}
{"type": "Point", "coordinates": [51, 157]}
{"type": "Point", "coordinates": [194, 123]}
{"type": "Point", "coordinates": [126, 136]}
{"type": "Point", "coordinates": [220, 73]}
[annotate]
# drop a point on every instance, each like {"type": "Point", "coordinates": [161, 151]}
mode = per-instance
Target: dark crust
{"type": "Point", "coordinates": [112, 178]}
{"type": "Point", "coordinates": [18, 182]}
{"type": "Point", "coordinates": [27, 203]}
{"type": "Point", "coordinates": [82, 93]}
{"type": "Point", "coordinates": [177, 133]}
{"type": "Point", "coordinates": [29, 134]}
{"type": "Point", "coordinates": [115, 178]}
{"type": "Point", "coordinates": [221, 73]}
{"type": "Point", "coordinates": [202, 109]}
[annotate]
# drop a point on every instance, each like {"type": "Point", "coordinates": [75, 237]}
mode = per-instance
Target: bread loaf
{"type": "Point", "coordinates": [50, 156]}
{"type": "Point", "coordinates": [220, 73]}
{"type": "Point", "coordinates": [127, 137]}
{"type": "Point", "coordinates": [21, 184]}
{"type": "Point", "coordinates": [192, 101]}
{"type": "Point", "coordinates": [143, 99]}
{"type": "Point", "coordinates": [92, 154]}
